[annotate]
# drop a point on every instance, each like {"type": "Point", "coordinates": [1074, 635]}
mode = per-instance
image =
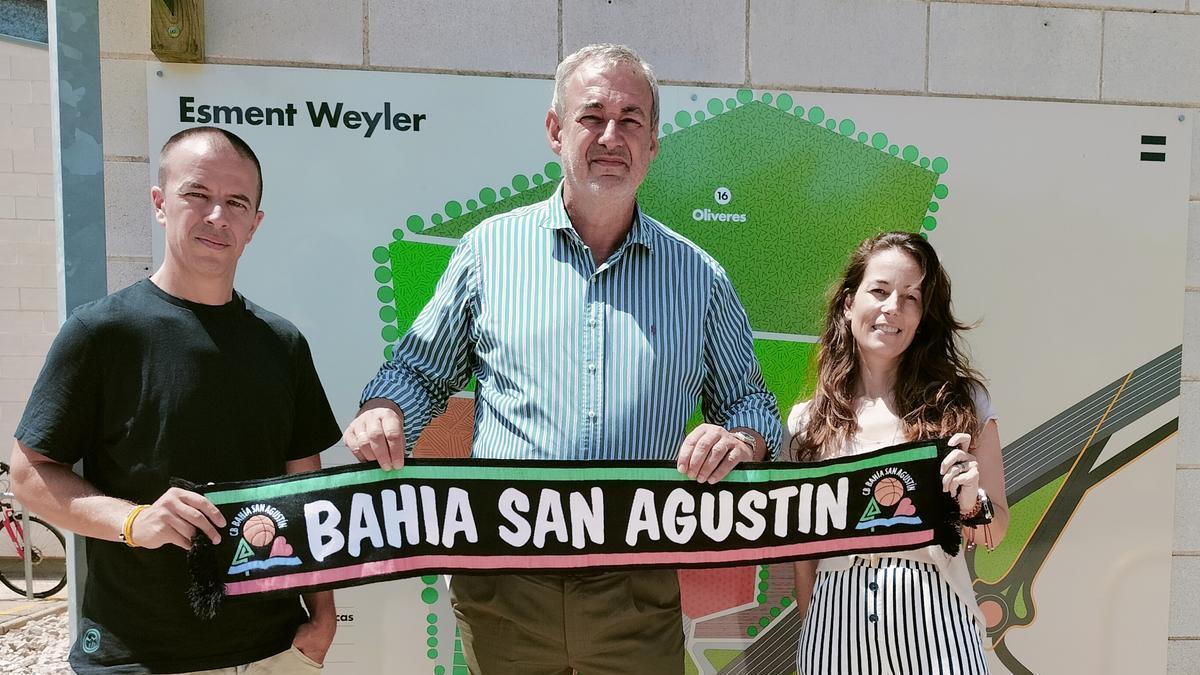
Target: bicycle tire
{"type": "Point", "coordinates": [49, 549]}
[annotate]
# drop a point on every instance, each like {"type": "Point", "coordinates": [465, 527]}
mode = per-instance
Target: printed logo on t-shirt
{"type": "Point", "coordinates": [260, 545]}
{"type": "Point", "coordinates": [90, 641]}
{"type": "Point", "coordinates": [888, 505]}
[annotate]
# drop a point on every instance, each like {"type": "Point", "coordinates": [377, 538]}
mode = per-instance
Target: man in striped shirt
{"type": "Point", "coordinates": [592, 331]}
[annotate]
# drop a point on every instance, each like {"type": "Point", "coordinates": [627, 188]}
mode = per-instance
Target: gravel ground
{"type": "Point", "coordinates": [37, 648]}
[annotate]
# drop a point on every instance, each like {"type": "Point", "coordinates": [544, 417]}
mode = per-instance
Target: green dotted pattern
{"type": "Point", "coordinates": [415, 267]}
{"type": "Point", "coordinates": [430, 596]}
{"type": "Point", "coordinates": [773, 612]}
{"type": "Point", "coordinates": [458, 217]}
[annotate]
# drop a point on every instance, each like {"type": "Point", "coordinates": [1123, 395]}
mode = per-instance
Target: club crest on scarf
{"type": "Point", "coordinates": [888, 504]}
{"type": "Point", "coordinates": [260, 545]}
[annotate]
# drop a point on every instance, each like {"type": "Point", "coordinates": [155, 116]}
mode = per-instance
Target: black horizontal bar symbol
{"type": "Point", "coordinates": [1154, 156]}
{"type": "Point", "coordinates": [1154, 140]}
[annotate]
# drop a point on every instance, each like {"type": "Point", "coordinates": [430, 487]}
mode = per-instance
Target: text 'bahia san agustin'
{"type": "Point", "coordinates": [320, 114]}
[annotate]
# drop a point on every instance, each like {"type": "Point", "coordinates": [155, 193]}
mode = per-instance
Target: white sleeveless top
{"type": "Point", "coordinates": [954, 569]}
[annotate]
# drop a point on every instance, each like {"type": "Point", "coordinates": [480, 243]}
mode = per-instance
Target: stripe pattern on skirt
{"type": "Point", "coordinates": [896, 617]}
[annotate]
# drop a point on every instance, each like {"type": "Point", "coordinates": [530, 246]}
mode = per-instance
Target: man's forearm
{"type": "Point", "coordinates": [320, 606]}
{"type": "Point", "coordinates": [55, 492]}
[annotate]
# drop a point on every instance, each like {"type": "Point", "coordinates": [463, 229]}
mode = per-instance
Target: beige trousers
{"type": "Point", "coordinates": [289, 662]}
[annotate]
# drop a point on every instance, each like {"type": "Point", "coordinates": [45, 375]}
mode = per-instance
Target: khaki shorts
{"type": "Point", "coordinates": [289, 662]}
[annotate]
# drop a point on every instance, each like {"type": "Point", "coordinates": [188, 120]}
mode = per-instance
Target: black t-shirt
{"type": "Point", "coordinates": [143, 386]}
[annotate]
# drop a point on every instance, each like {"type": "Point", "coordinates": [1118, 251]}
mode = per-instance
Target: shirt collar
{"type": "Point", "coordinates": [641, 233]}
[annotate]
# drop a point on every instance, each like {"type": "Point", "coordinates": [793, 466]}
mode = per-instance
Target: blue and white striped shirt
{"type": "Point", "coordinates": [575, 361]}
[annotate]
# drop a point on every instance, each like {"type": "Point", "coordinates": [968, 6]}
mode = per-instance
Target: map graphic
{"type": "Point", "coordinates": [780, 194]}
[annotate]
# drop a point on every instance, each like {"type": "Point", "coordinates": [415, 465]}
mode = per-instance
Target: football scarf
{"type": "Point", "coordinates": [359, 524]}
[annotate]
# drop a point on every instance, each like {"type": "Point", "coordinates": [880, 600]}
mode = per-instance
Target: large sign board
{"type": "Point", "coordinates": [1062, 226]}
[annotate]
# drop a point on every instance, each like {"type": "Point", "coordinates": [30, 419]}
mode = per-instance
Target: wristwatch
{"type": "Point", "coordinates": [747, 438]}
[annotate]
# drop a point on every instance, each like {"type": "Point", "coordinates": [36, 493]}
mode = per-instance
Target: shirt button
{"type": "Point", "coordinates": [873, 618]}
{"type": "Point", "coordinates": [591, 322]}
{"type": "Point", "coordinates": [591, 414]}
{"type": "Point", "coordinates": [591, 367]}
{"type": "Point", "coordinates": [873, 586]}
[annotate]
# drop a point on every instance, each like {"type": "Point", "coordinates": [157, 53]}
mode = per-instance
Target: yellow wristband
{"type": "Point", "coordinates": [127, 528]}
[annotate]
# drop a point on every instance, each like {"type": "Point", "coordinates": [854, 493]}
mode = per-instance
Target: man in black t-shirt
{"type": "Point", "coordinates": [177, 375]}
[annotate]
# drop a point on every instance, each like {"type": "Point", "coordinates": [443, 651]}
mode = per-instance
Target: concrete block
{"type": "Point", "coordinates": [1014, 51]}
{"type": "Point", "coordinates": [1189, 422]}
{"type": "Point", "coordinates": [8, 255]}
{"type": "Point", "coordinates": [12, 229]}
{"type": "Point", "coordinates": [49, 322]}
{"type": "Point", "coordinates": [34, 67]}
{"type": "Point", "coordinates": [5, 114]}
{"type": "Point", "coordinates": [6, 165]}
{"type": "Point", "coordinates": [42, 137]}
{"type": "Point", "coordinates": [1185, 585]}
{"type": "Point", "coordinates": [512, 36]}
{"type": "Point", "coordinates": [1187, 510]}
{"type": "Point", "coordinates": [867, 44]}
{"type": "Point", "coordinates": [306, 31]}
{"type": "Point", "coordinates": [35, 253]}
{"type": "Point", "coordinates": [1183, 657]}
{"type": "Point", "coordinates": [1192, 272]}
{"type": "Point", "coordinates": [15, 92]}
{"type": "Point", "coordinates": [5, 66]}
{"type": "Point", "coordinates": [44, 299]}
{"type": "Point", "coordinates": [1191, 333]}
{"type": "Point", "coordinates": [1195, 115]}
{"type": "Point", "coordinates": [125, 27]}
{"type": "Point", "coordinates": [123, 95]}
{"type": "Point", "coordinates": [45, 184]}
{"type": "Point", "coordinates": [696, 40]}
{"type": "Point", "coordinates": [10, 298]}
{"type": "Point", "coordinates": [1170, 5]}
{"type": "Point", "coordinates": [10, 416]}
{"type": "Point", "coordinates": [15, 391]}
{"type": "Point", "coordinates": [16, 138]}
{"type": "Point", "coordinates": [41, 92]}
{"type": "Point", "coordinates": [32, 162]}
{"type": "Point", "coordinates": [1151, 57]}
{"type": "Point", "coordinates": [10, 343]}
{"type": "Point", "coordinates": [23, 276]}
{"type": "Point", "coordinates": [128, 214]}
{"type": "Point", "coordinates": [35, 208]}
{"type": "Point", "coordinates": [22, 367]}
{"type": "Point", "coordinates": [18, 184]}
{"type": "Point", "coordinates": [36, 344]}
{"type": "Point", "coordinates": [19, 321]}
{"type": "Point", "coordinates": [31, 115]}
{"type": "Point", "coordinates": [122, 273]}
{"type": "Point", "coordinates": [8, 210]}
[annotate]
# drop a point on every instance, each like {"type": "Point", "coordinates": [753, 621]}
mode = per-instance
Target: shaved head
{"type": "Point", "coordinates": [215, 135]}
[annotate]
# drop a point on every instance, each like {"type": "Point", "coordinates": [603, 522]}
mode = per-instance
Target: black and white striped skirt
{"type": "Point", "coordinates": [898, 617]}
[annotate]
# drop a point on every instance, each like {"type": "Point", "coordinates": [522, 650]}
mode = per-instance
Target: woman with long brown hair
{"type": "Point", "coordinates": [890, 370]}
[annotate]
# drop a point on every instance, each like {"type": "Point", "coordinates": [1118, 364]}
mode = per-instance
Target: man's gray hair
{"type": "Point", "coordinates": [609, 54]}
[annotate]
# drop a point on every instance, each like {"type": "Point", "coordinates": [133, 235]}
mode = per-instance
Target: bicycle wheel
{"type": "Point", "coordinates": [47, 550]}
